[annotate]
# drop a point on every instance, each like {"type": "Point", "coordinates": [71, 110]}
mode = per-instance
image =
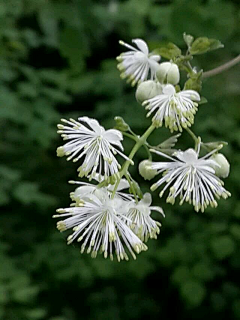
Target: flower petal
{"type": "Point", "coordinates": [141, 45]}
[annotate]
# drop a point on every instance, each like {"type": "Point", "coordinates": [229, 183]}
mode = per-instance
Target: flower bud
{"type": "Point", "coordinates": [168, 72]}
{"type": "Point", "coordinates": [147, 90]}
{"type": "Point", "coordinates": [146, 171]}
{"type": "Point", "coordinates": [224, 167]}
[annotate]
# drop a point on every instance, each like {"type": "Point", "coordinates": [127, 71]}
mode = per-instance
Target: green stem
{"type": "Point", "coordinates": [130, 183]}
{"type": "Point", "coordinates": [140, 142]}
{"type": "Point", "coordinates": [136, 138]}
{"type": "Point", "coordinates": [130, 136]}
{"type": "Point", "coordinates": [195, 138]}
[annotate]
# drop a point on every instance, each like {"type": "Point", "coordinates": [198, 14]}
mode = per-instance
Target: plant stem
{"type": "Point", "coordinates": [134, 193]}
{"type": "Point", "coordinates": [130, 136]}
{"type": "Point", "coordinates": [141, 141]}
{"type": "Point", "coordinates": [195, 138]}
{"type": "Point", "coordinates": [192, 134]}
{"type": "Point", "coordinates": [222, 68]}
{"type": "Point", "coordinates": [136, 138]}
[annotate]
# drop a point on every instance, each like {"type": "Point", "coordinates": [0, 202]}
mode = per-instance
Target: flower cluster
{"type": "Point", "coordinates": [109, 224]}
{"type": "Point", "coordinates": [175, 109]}
{"type": "Point", "coordinates": [112, 216]}
{"type": "Point", "coordinates": [191, 178]}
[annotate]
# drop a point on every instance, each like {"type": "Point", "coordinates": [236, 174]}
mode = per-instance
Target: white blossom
{"type": "Point", "coordinates": [190, 177]}
{"type": "Point", "coordinates": [140, 220]}
{"type": "Point", "coordinates": [136, 64]}
{"type": "Point", "coordinates": [175, 109]}
{"type": "Point", "coordinates": [86, 189]}
{"type": "Point", "coordinates": [99, 224]}
{"type": "Point", "coordinates": [93, 143]}
{"type": "Point", "coordinates": [223, 167]}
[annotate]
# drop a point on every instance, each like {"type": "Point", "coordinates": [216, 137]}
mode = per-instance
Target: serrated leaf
{"type": "Point", "coordinates": [193, 84]}
{"type": "Point", "coordinates": [169, 51]}
{"type": "Point", "coordinates": [204, 44]}
{"type": "Point", "coordinates": [170, 142]}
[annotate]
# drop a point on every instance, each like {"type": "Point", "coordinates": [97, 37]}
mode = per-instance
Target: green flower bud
{"type": "Point", "coordinates": [168, 72]}
{"type": "Point", "coordinates": [147, 90]}
{"type": "Point", "coordinates": [146, 171]}
{"type": "Point", "coordinates": [223, 170]}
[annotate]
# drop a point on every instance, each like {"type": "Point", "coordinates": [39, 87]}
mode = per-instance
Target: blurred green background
{"type": "Point", "coordinates": [57, 59]}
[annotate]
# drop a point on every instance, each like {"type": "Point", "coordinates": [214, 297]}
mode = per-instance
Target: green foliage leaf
{"type": "Point", "coordinates": [188, 39]}
{"type": "Point", "coordinates": [194, 82]}
{"type": "Point", "coordinates": [168, 51]}
{"type": "Point", "coordinates": [193, 291]}
{"type": "Point", "coordinates": [222, 247]}
{"type": "Point", "coordinates": [203, 44]}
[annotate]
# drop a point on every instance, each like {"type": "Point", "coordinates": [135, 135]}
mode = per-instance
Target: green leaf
{"type": "Point", "coordinates": [37, 313]}
{"type": "Point", "coordinates": [193, 292]}
{"type": "Point", "coordinates": [202, 101]}
{"type": "Point", "coordinates": [195, 82]}
{"type": "Point", "coordinates": [181, 274]}
{"type": "Point", "coordinates": [169, 51]}
{"type": "Point", "coordinates": [188, 39]}
{"type": "Point", "coordinates": [235, 231]}
{"type": "Point", "coordinates": [26, 294]}
{"type": "Point", "coordinates": [214, 145]}
{"type": "Point", "coordinates": [170, 142]}
{"type": "Point", "coordinates": [204, 44]}
{"type": "Point", "coordinates": [203, 271]}
{"type": "Point", "coordinates": [222, 247]}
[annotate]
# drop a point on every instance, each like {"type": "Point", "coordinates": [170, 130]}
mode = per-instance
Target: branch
{"type": "Point", "coordinates": [222, 68]}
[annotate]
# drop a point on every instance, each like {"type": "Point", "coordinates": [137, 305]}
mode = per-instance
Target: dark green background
{"type": "Point", "coordinates": [57, 59]}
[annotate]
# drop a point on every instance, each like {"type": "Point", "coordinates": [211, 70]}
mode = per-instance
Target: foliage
{"type": "Point", "coordinates": [58, 60]}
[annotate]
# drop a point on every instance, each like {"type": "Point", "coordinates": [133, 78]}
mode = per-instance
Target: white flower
{"type": "Point", "coordinates": [146, 171]}
{"type": "Point", "coordinates": [140, 221]}
{"type": "Point", "coordinates": [99, 223]}
{"type": "Point", "coordinates": [137, 63]}
{"type": "Point", "coordinates": [191, 178]}
{"type": "Point", "coordinates": [86, 190]}
{"type": "Point", "coordinates": [223, 167]}
{"type": "Point", "coordinates": [176, 109]}
{"type": "Point", "coordinates": [168, 72]}
{"type": "Point", "coordinates": [94, 143]}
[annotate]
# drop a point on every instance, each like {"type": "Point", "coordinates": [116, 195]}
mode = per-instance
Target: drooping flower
{"type": "Point", "coordinates": [94, 143]}
{"type": "Point", "coordinates": [136, 64]}
{"type": "Point", "coordinates": [191, 178]}
{"type": "Point", "coordinates": [175, 109]}
{"type": "Point", "coordinates": [99, 223]}
{"type": "Point", "coordinates": [140, 220]}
